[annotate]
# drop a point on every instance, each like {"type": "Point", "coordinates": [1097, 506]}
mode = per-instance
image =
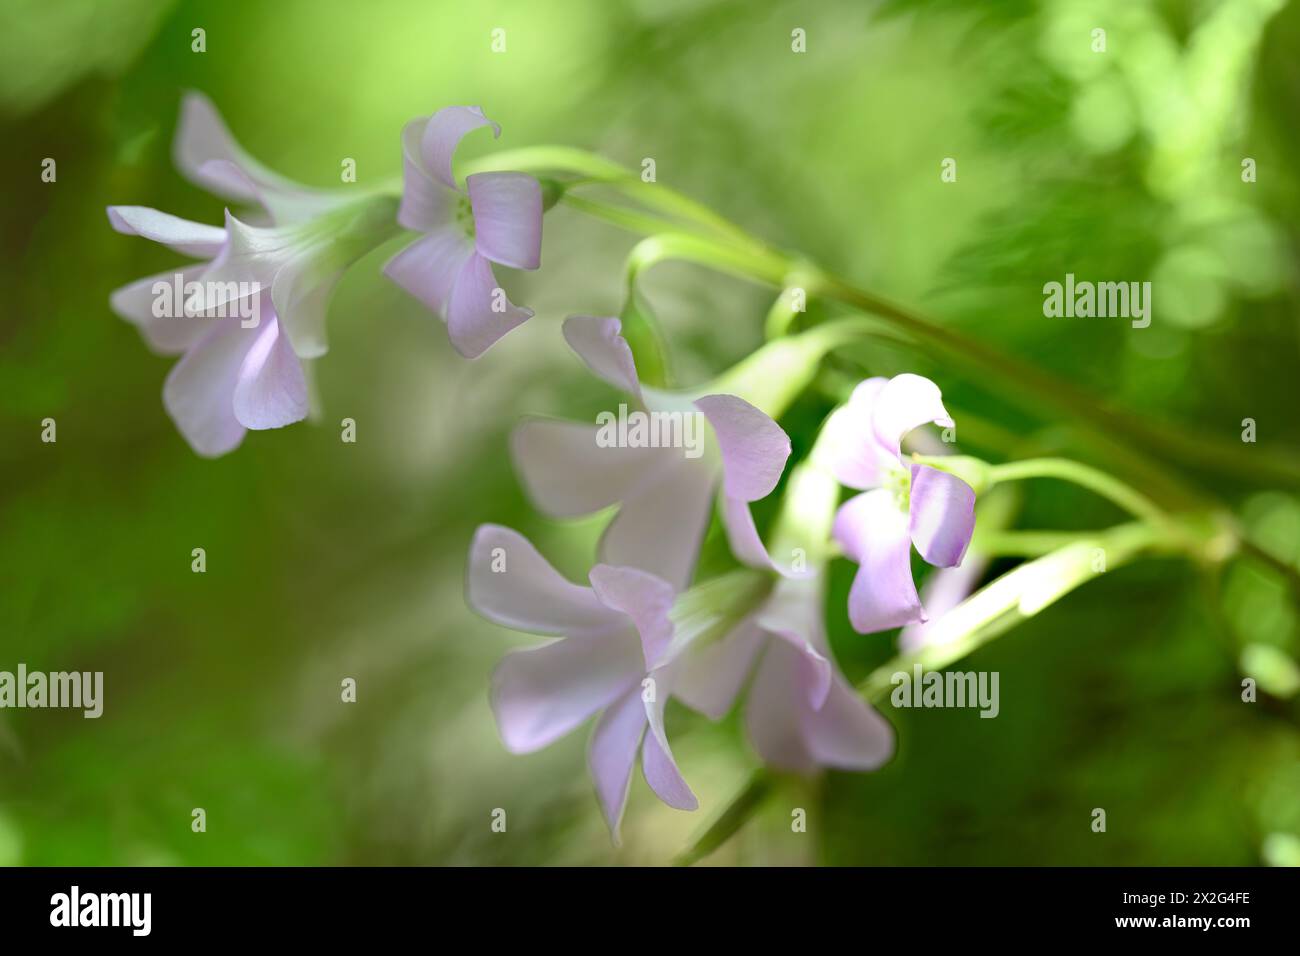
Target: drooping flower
{"type": "Point", "coordinates": [909, 504]}
{"type": "Point", "coordinates": [232, 375]}
{"type": "Point", "coordinates": [664, 496]}
{"type": "Point", "coordinates": [801, 715]}
{"type": "Point", "coordinates": [496, 218]}
{"type": "Point", "coordinates": [235, 375]}
{"type": "Point", "coordinates": [208, 156]}
{"type": "Point", "coordinates": [613, 658]}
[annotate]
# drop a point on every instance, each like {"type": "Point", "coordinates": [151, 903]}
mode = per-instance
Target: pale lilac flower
{"type": "Point", "coordinates": [230, 378]}
{"type": "Point", "coordinates": [208, 156]}
{"type": "Point", "coordinates": [664, 497]}
{"type": "Point", "coordinates": [496, 218]}
{"type": "Point", "coordinates": [917, 505]}
{"type": "Point", "coordinates": [613, 659]}
{"type": "Point", "coordinates": [801, 715]}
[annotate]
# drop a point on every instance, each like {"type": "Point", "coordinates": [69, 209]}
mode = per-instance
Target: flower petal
{"type": "Point", "coordinates": [847, 733]}
{"type": "Point", "coordinates": [754, 448]}
{"type": "Point", "coordinates": [540, 694]}
{"type": "Point", "coordinates": [708, 678]}
{"type": "Point", "coordinates": [202, 137]}
{"type": "Point", "coordinates": [874, 533]}
{"type": "Point", "coordinates": [181, 235]}
{"type": "Point", "coordinates": [848, 448]}
{"type": "Point", "coordinates": [510, 583]}
{"type": "Point", "coordinates": [644, 598]}
{"type": "Point", "coordinates": [905, 402]}
{"type": "Point", "coordinates": [199, 393]}
{"type": "Point", "coordinates": [427, 203]}
{"type": "Point", "coordinates": [773, 711]}
{"type": "Point", "coordinates": [942, 516]}
{"type": "Point", "coordinates": [794, 614]}
{"type": "Point", "coordinates": [428, 268]}
{"type": "Point", "coordinates": [478, 313]}
{"type": "Point", "coordinates": [507, 218]}
{"type": "Point", "coordinates": [599, 343]}
{"type": "Point", "coordinates": [271, 391]}
{"type": "Point", "coordinates": [208, 156]}
{"type": "Point", "coordinates": [301, 291]}
{"type": "Point", "coordinates": [660, 526]}
{"type": "Point", "coordinates": [742, 535]}
{"type": "Point", "coordinates": [443, 133]}
{"type": "Point", "coordinates": [166, 334]}
{"type": "Point", "coordinates": [566, 473]}
{"type": "Point", "coordinates": [657, 761]}
{"type": "Point", "coordinates": [612, 754]}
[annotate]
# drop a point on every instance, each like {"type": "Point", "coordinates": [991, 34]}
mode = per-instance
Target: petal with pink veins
{"type": "Point", "coordinates": [510, 583]}
{"type": "Point", "coordinates": [657, 763]}
{"type": "Point", "coordinates": [612, 754]}
{"type": "Point", "coordinates": [428, 268]}
{"type": "Point", "coordinates": [905, 402]}
{"type": "Point", "coordinates": [478, 313]}
{"type": "Point", "coordinates": [507, 211]}
{"type": "Point", "coordinates": [942, 516]}
{"type": "Point", "coordinates": [644, 598]}
{"type": "Point", "coordinates": [180, 235]}
{"type": "Point", "coordinates": [200, 389]}
{"type": "Point", "coordinates": [271, 391]}
{"type": "Point", "coordinates": [754, 448]}
{"type": "Point", "coordinates": [566, 473]}
{"type": "Point", "coordinates": [600, 344]}
{"type": "Point", "coordinates": [540, 694]}
{"type": "Point", "coordinates": [874, 532]}
{"type": "Point", "coordinates": [443, 133]}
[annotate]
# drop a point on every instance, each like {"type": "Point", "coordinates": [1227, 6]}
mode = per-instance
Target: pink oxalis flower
{"type": "Point", "coordinates": [613, 659]}
{"type": "Point", "coordinates": [907, 505]}
{"type": "Point", "coordinates": [567, 473]}
{"type": "Point", "coordinates": [801, 714]}
{"type": "Point", "coordinates": [254, 307]}
{"type": "Point", "coordinates": [497, 218]}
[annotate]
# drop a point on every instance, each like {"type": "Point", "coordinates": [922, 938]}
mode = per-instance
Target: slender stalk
{"type": "Point", "coordinates": [1019, 381]}
{"type": "Point", "coordinates": [1106, 485]}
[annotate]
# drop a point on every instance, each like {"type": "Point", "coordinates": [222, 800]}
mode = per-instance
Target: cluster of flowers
{"type": "Point", "coordinates": [640, 631]}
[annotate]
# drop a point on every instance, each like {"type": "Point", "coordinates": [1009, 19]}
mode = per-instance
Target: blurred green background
{"type": "Point", "coordinates": [328, 560]}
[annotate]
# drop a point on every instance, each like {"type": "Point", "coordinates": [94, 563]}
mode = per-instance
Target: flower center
{"type": "Point", "coordinates": [465, 216]}
{"type": "Point", "coordinates": [899, 482]}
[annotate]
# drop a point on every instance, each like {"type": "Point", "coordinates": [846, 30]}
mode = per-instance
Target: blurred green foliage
{"type": "Point", "coordinates": [328, 560]}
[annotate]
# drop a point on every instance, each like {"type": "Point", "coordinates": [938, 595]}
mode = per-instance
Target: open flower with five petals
{"type": "Point", "coordinates": [496, 218]}
{"type": "Point", "coordinates": [613, 657]}
{"type": "Point", "coordinates": [907, 504]}
{"type": "Point", "coordinates": [664, 496]}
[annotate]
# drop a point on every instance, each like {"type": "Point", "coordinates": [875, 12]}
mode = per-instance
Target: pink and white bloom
{"type": "Point", "coordinates": [664, 497]}
{"type": "Point", "coordinates": [230, 378]}
{"type": "Point", "coordinates": [907, 505]}
{"type": "Point", "coordinates": [496, 218]}
{"type": "Point", "coordinates": [613, 658]}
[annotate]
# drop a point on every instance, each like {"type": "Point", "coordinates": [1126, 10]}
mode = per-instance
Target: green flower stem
{"type": "Point", "coordinates": [1106, 485]}
{"type": "Point", "coordinates": [632, 220]}
{"type": "Point", "coordinates": [1022, 544]}
{"type": "Point", "coordinates": [994, 609]}
{"type": "Point", "coordinates": [764, 267]}
{"type": "Point", "coordinates": [595, 169]}
{"type": "Point", "coordinates": [1020, 381]}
